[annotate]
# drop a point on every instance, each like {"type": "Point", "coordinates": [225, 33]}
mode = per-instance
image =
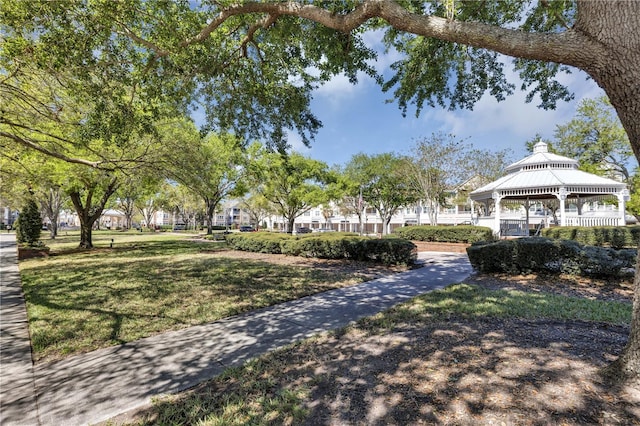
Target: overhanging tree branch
{"type": "Point", "coordinates": [39, 148]}
{"type": "Point", "coordinates": [569, 47]}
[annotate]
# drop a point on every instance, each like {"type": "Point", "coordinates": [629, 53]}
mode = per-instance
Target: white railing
{"type": "Point", "coordinates": [513, 228]}
{"type": "Point", "coordinates": [593, 221]}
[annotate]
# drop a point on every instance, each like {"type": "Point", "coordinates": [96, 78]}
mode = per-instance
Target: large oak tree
{"type": "Point", "coordinates": [255, 64]}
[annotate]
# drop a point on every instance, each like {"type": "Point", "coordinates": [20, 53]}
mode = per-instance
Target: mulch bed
{"type": "Point", "coordinates": [446, 247]}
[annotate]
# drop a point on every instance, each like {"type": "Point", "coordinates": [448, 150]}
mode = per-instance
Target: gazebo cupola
{"type": "Point", "coordinates": [544, 176]}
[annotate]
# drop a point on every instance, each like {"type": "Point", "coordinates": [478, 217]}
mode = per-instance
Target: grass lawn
{"type": "Point", "coordinates": [79, 301]}
{"type": "Point", "coordinates": [373, 373]}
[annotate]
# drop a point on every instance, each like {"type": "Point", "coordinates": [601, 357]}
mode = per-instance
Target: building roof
{"type": "Point", "coordinates": [542, 175]}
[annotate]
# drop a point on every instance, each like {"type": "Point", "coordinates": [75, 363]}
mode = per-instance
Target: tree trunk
{"type": "Point", "coordinates": [290, 222]}
{"type": "Point", "coordinates": [211, 207]}
{"type": "Point", "coordinates": [618, 73]}
{"type": "Point", "coordinates": [385, 229]}
{"type": "Point", "coordinates": [51, 204]}
{"type": "Point", "coordinates": [433, 213]}
{"type": "Point", "coordinates": [147, 213]}
{"type": "Point", "coordinates": [627, 366]}
{"type": "Point", "coordinates": [86, 228]}
{"type": "Point", "coordinates": [87, 219]}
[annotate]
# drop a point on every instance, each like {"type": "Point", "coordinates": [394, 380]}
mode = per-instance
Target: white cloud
{"type": "Point", "coordinates": [337, 88]}
{"type": "Point", "coordinates": [373, 40]}
{"type": "Point", "coordinates": [513, 121]}
{"type": "Point", "coordinates": [295, 141]}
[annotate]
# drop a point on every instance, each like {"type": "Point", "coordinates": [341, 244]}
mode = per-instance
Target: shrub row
{"type": "Point", "coordinates": [446, 234]}
{"type": "Point", "coordinates": [601, 236]}
{"type": "Point", "coordinates": [538, 254]}
{"type": "Point", "coordinates": [389, 251]}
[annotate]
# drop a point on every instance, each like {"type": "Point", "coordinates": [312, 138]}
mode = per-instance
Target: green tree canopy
{"type": "Point", "coordinates": [596, 139]}
{"type": "Point", "coordinates": [291, 183]}
{"type": "Point", "coordinates": [213, 167]}
{"type": "Point", "coordinates": [385, 183]}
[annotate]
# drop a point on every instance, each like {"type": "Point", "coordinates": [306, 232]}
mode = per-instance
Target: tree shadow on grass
{"type": "Point", "coordinates": [85, 304]}
{"type": "Point", "coordinates": [450, 372]}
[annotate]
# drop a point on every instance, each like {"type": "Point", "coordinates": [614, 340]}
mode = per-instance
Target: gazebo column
{"type": "Point", "coordinates": [496, 199]}
{"type": "Point", "coordinates": [623, 197]}
{"type": "Point", "coordinates": [562, 196]}
{"type": "Point", "coordinates": [527, 204]}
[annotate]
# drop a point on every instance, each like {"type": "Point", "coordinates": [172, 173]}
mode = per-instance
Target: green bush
{"type": "Point", "coordinates": [602, 236]}
{"type": "Point", "coordinates": [390, 251]}
{"type": "Point", "coordinates": [328, 246]}
{"type": "Point", "coordinates": [258, 242]}
{"type": "Point", "coordinates": [445, 234]}
{"type": "Point", "coordinates": [526, 255]}
{"type": "Point", "coordinates": [29, 225]}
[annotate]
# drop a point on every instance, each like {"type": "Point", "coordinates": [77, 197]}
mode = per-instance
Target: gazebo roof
{"type": "Point", "coordinates": [542, 156]}
{"type": "Point", "coordinates": [542, 175]}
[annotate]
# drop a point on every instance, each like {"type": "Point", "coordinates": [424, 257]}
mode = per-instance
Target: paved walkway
{"type": "Point", "coordinates": [94, 387]}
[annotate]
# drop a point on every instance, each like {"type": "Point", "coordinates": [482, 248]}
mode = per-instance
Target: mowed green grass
{"type": "Point", "coordinates": [79, 301]}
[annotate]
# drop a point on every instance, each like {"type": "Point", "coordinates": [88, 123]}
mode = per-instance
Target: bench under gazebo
{"type": "Point", "coordinates": [553, 181]}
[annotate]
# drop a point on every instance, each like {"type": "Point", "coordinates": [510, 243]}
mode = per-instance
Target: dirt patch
{"type": "Point", "coordinates": [367, 270]}
{"type": "Point", "coordinates": [565, 285]}
{"type": "Point", "coordinates": [466, 372]}
{"type": "Point", "coordinates": [29, 253]}
{"type": "Point", "coordinates": [446, 247]}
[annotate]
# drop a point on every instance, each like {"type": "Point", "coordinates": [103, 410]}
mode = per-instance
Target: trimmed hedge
{"type": "Point", "coordinates": [258, 242]}
{"type": "Point", "coordinates": [446, 234]}
{"type": "Point", "coordinates": [539, 254]}
{"type": "Point", "coordinates": [389, 251]}
{"type": "Point", "coordinates": [601, 236]}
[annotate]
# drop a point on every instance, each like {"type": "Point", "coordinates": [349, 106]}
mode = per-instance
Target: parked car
{"type": "Point", "coordinates": [179, 227]}
{"type": "Point", "coordinates": [246, 228]}
{"type": "Point", "coordinates": [303, 230]}
{"type": "Point", "coordinates": [324, 230]}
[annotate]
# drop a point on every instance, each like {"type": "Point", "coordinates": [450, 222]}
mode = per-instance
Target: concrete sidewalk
{"type": "Point", "coordinates": [94, 387]}
{"type": "Point", "coordinates": [17, 389]}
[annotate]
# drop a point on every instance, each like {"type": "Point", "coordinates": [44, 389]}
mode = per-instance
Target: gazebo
{"type": "Point", "coordinates": [551, 179]}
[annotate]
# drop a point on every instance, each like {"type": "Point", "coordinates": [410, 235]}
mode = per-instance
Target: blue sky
{"type": "Point", "coordinates": [356, 118]}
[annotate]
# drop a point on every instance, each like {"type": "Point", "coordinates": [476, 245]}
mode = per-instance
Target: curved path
{"type": "Point", "coordinates": [94, 387]}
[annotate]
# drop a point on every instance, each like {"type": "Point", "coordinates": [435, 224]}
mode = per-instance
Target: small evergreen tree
{"type": "Point", "coordinates": [29, 224]}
